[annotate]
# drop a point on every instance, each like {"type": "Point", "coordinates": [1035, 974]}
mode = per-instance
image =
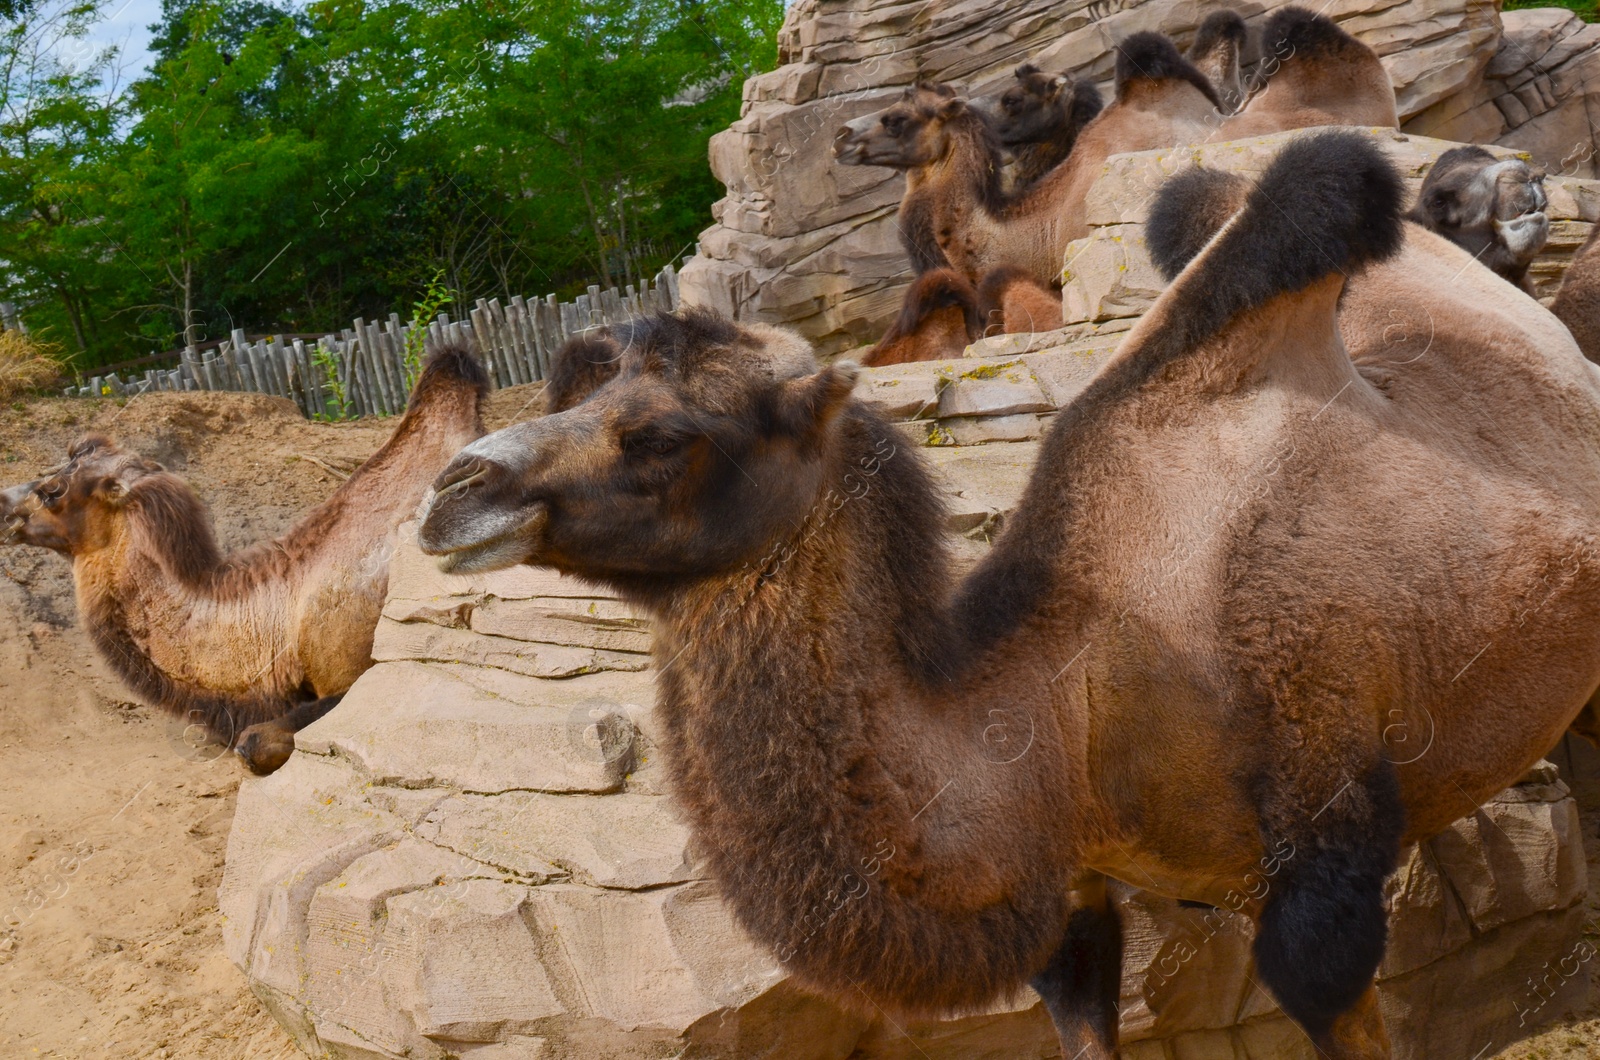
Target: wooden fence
{"type": "Point", "coordinates": [368, 369]}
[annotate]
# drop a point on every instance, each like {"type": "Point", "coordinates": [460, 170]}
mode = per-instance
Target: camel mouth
{"type": "Point", "coordinates": [467, 543]}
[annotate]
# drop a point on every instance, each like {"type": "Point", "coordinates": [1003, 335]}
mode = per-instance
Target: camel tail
{"type": "Point", "coordinates": [450, 366]}
{"type": "Point", "coordinates": [1151, 56]}
{"type": "Point", "coordinates": [1330, 202]}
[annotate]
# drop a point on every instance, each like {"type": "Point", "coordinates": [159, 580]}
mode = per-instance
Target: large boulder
{"type": "Point", "coordinates": [800, 240]}
{"type": "Point", "coordinates": [475, 856]}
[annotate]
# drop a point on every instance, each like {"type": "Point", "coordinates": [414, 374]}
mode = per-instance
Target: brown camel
{"type": "Point", "coordinates": [255, 645]}
{"type": "Point", "coordinates": [1577, 304]}
{"type": "Point", "coordinates": [1215, 52]}
{"type": "Point", "coordinates": [1242, 556]}
{"type": "Point", "coordinates": [938, 319]}
{"type": "Point", "coordinates": [942, 315]}
{"type": "Point", "coordinates": [1314, 73]}
{"type": "Point", "coordinates": [955, 212]}
{"type": "Point", "coordinates": [1492, 209]}
{"type": "Point", "coordinates": [1038, 119]}
{"type": "Point", "coordinates": [1011, 301]}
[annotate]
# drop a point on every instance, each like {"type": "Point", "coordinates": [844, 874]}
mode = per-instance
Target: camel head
{"type": "Point", "coordinates": [1487, 204]}
{"type": "Point", "coordinates": [1029, 110]}
{"type": "Point", "coordinates": [75, 508]}
{"type": "Point", "coordinates": [909, 134]}
{"type": "Point", "coordinates": [676, 447]}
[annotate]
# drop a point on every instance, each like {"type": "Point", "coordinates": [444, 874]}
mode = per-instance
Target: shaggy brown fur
{"type": "Point", "coordinates": [1577, 304]}
{"type": "Point", "coordinates": [1038, 119]}
{"type": "Point", "coordinates": [938, 319]}
{"type": "Point", "coordinates": [1010, 301]}
{"type": "Point", "coordinates": [1237, 561]}
{"type": "Point", "coordinates": [1492, 209]}
{"type": "Point", "coordinates": [256, 644]}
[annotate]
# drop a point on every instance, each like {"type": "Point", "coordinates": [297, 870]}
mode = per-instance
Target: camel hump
{"type": "Point", "coordinates": [450, 366]}
{"type": "Point", "coordinates": [1294, 33]}
{"type": "Point", "coordinates": [1191, 208]}
{"type": "Point", "coordinates": [1219, 28]}
{"type": "Point", "coordinates": [931, 292]}
{"type": "Point", "coordinates": [1151, 56]}
{"type": "Point", "coordinates": [1330, 202]}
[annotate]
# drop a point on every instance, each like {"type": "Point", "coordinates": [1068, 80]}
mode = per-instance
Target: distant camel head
{"type": "Point", "coordinates": [75, 508]}
{"type": "Point", "coordinates": [1028, 110]}
{"type": "Point", "coordinates": [689, 446]}
{"type": "Point", "coordinates": [1493, 208]}
{"type": "Point", "coordinates": [909, 134]}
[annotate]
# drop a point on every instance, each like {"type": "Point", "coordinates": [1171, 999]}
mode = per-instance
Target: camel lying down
{"type": "Point", "coordinates": [1245, 556]}
{"type": "Point", "coordinates": [255, 645]}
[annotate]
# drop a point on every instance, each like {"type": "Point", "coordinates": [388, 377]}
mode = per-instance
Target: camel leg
{"type": "Point", "coordinates": [1324, 925]}
{"type": "Point", "coordinates": [1083, 981]}
{"type": "Point", "coordinates": [267, 745]}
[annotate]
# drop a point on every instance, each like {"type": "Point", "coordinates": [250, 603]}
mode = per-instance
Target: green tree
{"type": "Point", "coordinates": [55, 133]}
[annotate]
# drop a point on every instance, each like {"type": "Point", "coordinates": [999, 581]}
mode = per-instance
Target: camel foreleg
{"type": "Point", "coordinates": [266, 746]}
{"type": "Point", "coordinates": [1082, 983]}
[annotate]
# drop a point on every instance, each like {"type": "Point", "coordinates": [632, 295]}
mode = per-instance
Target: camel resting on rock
{"type": "Point", "coordinates": [257, 644]}
{"type": "Point", "coordinates": [1493, 209]}
{"type": "Point", "coordinates": [1243, 560]}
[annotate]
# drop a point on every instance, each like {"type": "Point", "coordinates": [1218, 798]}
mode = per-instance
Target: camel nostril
{"type": "Point", "coordinates": [462, 476]}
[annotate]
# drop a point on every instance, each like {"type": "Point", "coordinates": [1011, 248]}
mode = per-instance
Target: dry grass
{"type": "Point", "coordinates": [25, 364]}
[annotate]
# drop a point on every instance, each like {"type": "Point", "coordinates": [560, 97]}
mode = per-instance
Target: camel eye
{"type": "Point", "coordinates": [652, 442]}
{"type": "Point", "coordinates": [894, 124]}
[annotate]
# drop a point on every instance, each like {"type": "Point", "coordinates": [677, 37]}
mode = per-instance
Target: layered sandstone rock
{"type": "Point", "coordinates": [802, 241]}
{"type": "Point", "coordinates": [474, 855]}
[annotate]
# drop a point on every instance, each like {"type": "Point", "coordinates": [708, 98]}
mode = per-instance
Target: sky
{"type": "Point", "coordinates": [126, 24]}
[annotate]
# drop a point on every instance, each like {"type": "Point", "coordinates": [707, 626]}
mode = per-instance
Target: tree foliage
{"type": "Point", "coordinates": [284, 169]}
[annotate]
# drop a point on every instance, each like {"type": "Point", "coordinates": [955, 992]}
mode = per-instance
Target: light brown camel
{"type": "Point", "coordinates": [1492, 209]}
{"type": "Point", "coordinates": [1240, 558]}
{"type": "Point", "coordinates": [1312, 73]}
{"type": "Point", "coordinates": [1577, 304]}
{"type": "Point", "coordinates": [254, 645]}
{"type": "Point", "coordinates": [955, 212]}
{"type": "Point", "coordinates": [1038, 119]}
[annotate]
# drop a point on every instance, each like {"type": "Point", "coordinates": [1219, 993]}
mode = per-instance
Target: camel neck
{"type": "Point", "coordinates": [974, 161]}
{"type": "Point", "coordinates": [828, 744]}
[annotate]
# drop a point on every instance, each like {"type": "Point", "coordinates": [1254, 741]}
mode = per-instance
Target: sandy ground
{"type": "Point", "coordinates": [113, 829]}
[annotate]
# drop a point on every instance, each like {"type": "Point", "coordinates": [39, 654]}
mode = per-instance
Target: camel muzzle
{"type": "Point", "coordinates": [12, 517]}
{"type": "Point", "coordinates": [476, 517]}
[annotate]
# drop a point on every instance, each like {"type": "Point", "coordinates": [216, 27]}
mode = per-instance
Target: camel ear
{"type": "Point", "coordinates": [1057, 83]}
{"type": "Point", "coordinates": [1025, 70]}
{"type": "Point", "coordinates": [952, 107]}
{"type": "Point", "coordinates": [112, 490]}
{"type": "Point", "coordinates": [581, 366]}
{"type": "Point", "coordinates": [806, 406]}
